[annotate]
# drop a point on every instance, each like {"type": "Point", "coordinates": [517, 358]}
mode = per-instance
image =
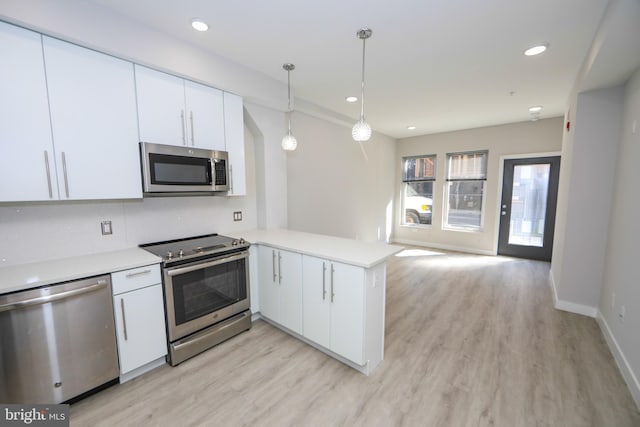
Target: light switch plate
{"type": "Point", "coordinates": [237, 216]}
{"type": "Point", "coordinates": [106, 228]}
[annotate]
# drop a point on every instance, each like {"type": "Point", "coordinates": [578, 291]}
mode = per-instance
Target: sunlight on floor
{"type": "Point", "coordinates": [418, 252]}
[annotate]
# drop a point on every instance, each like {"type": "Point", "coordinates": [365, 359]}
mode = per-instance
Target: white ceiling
{"type": "Point", "coordinates": [438, 65]}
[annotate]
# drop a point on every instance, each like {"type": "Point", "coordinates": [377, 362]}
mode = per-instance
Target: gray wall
{"type": "Point", "coordinates": [586, 186]}
{"type": "Point", "coordinates": [621, 260]}
{"type": "Point", "coordinates": [543, 136]}
{"type": "Point", "coordinates": [337, 186]}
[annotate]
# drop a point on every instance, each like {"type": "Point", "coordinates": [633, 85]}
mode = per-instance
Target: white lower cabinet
{"type": "Point", "coordinates": [140, 326]}
{"type": "Point", "coordinates": [333, 306]}
{"type": "Point", "coordinates": [280, 287]}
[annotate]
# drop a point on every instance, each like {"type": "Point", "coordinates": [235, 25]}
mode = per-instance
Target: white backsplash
{"type": "Point", "coordinates": [41, 231]}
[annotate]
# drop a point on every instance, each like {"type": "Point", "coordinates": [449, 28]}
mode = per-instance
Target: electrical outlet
{"type": "Point", "coordinates": [237, 216]}
{"type": "Point", "coordinates": [106, 228]}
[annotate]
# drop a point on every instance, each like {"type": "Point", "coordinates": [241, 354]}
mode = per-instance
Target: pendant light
{"type": "Point", "coordinates": [289, 142]}
{"type": "Point", "coordinates": [361, 130]}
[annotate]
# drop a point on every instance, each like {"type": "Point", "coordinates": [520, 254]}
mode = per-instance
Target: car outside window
{"type": "Point", "coordinates": [418, 175]}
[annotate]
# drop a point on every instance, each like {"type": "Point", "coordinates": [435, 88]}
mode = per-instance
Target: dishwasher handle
{"type": "Point", "coordinates": [101, 283]}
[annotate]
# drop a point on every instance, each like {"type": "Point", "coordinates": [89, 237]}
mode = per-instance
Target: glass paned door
{"type": "Point", "coordinates": [530, 187]}
{"type": "Point", "coordinates": [527, 214]}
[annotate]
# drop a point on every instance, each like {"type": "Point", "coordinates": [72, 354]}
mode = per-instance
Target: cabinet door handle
{"type": "Point", "coordinates": [64, 172]}
{"type": "Point", "coordinates": [137, 273]}
{"type": "Point", "coordinates": [332, 271]}
{"type": "Point", "coordinates": [46, 165]}
{"type": "Point", "coordinates": [231, 178]}
{"type": "Point", "coordinates": [324, 274]}
{"type": "Point", "coordinates": [124, 319]}
{"type": "Point", "coordinates": [193, 142]}
{"type": "Point", "coordinates": [273, 264]}
{"type": "Point", "coordinates": [183, 126]}
{"type": "Point", "coordinates": [279, 268]}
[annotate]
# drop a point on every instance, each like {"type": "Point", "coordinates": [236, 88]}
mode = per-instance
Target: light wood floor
{"type": "Point", "coordinates": [470, 341]}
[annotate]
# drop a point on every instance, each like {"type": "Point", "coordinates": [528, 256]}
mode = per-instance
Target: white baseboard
{"type": "Point", "coordinates": [627, 373]}
{"type": "Point", "coordinates": [142, 369]}
{"type": "Point", "coordinates": [443, 247]}
{"type": "Point", "coordinates": [571, 307]}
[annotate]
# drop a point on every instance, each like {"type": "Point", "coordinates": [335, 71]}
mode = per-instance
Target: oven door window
{"type": "Point", "coordinates": [179, 170]}
{"type": "Point", "coordinates": [200, 292]}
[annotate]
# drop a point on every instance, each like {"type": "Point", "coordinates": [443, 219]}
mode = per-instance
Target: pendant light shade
{"type": "Point", "coordinates": [361, 130]}
{"type": "Point", "coordinates": [289, 142]}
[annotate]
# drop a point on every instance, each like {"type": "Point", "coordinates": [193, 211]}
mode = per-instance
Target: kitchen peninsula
{"type": "Point", "coordinates": [327, 291]}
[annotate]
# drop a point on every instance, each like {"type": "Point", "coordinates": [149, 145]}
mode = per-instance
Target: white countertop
{"type": "Point", "coordinates": [33, 275]}
{"type": "Point", "coordinates": [348, 251]}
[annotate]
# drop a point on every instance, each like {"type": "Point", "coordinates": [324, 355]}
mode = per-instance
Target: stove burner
{"type": "Point", "coordinates": [172, 251]}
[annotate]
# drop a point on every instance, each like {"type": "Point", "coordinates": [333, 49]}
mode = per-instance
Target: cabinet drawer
{"type": "Point", "coordinates": [135, 278]}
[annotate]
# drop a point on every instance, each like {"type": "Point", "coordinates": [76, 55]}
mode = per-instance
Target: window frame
{"type": "Point", "coordinates": [446, 191]}
{"type": "Point", "coordinates": [406, 182]}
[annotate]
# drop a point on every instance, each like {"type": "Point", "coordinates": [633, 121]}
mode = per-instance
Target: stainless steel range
{"type": "Point", "coordinates": [206, 291]}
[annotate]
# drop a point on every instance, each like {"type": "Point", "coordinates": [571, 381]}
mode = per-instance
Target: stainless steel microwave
{"type": "Point", "coordinates": [176, 170]}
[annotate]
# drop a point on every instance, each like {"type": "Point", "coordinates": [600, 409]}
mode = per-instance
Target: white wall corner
{"type": "Point", "coordinates": [625, 368]}
{"type": "Point", "coordinates": [570, 307]}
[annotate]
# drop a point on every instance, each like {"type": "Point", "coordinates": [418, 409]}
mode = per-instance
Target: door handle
{"type": "Point", "coordinates": [46, 165]}
{"type": "Point", "coordinates": [183, 126]}
{"type": "Point", "coordinates": [324, 287]}
{"type": "Point", "coordinates": [332, 293]}
{"type": "Point", "coordinates": [273, 264]}
{"type": "Point", "coordinates": [279, 268]}
{"type": "Point", "coordinates": [193, 142]}
{"type": "Point", "coordinates": [124, 320]}
{"type": "Point", "coordinates": [64, 171]}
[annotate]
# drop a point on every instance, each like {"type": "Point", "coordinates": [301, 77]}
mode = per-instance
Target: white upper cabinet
{"type": "Point", "coordinates": [161, 114]}
{"type": "Point", "coordinates": [205, 116]}
{"type": "Point", "coordinates": [27, 163]}
{"type": "Point", "coordinates": [93, 115]}
{"type": "Point", "coordinates": [234, 138]}
{"type": "Point", "coordinates": [175, 111]}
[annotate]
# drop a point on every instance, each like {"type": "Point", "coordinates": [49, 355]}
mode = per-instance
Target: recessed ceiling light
{"type": "Point", "coordinates": [199, 25]}
{"type": "Point", "coordinates": [351, 98]}
{"type": "Point", "coordinates": [535, 50]}
{"type": "Point", "coordinates": [412, 127]}
{"type": "Point", "coordinates": [535, 109]}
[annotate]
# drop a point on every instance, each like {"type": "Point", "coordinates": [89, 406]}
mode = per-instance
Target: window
{"type": "Point", "coordinates": [417, 193]}
{"type": "Point", "coordinates": [466, 174]}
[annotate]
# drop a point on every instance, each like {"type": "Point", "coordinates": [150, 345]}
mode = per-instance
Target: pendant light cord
{"type": "Point", "coordinates": [289, 90]}
{"type": "Point", "coordinates": [362, 104]}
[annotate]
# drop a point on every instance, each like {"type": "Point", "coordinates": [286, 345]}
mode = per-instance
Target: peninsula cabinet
{"type": "Point", "coordinates": [280, 287]}
{"type": "Point", "coordinates": [27, 169]}
{"type": "Point", "coordinates": [175, 111]}
{"type": "Point", "coordinates": [93, 122]}
{"type": "Point", "coordinates": [333, 301]}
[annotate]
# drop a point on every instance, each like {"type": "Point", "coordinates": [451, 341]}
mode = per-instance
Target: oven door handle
{"type": "Point", "coordinates": [199, 266]}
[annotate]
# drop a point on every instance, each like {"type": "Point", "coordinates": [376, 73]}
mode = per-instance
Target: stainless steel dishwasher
{"type": "Point", "coordinates": [57, 342]}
